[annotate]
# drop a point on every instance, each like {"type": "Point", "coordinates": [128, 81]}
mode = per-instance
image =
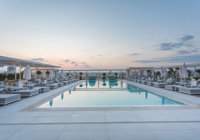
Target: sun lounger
{"type": "Point", "coordinates": [190, 91]}
{"type": "Point", "coordinates": [1, 91]}
{"type": "Point", "coordinates": [42, 89]}
{"type": "Point", "coordinates": [52, 86]}
{"type": "Point", "coordinates": [173, 87]}
{"type": "Point", "coordinates": [23, 93]}
{"type": "Point", "coordinates": [65, 82]}
{"type": "Point", "coordinates": [9, 98]}
{"type": "Point", "coordinates": [159, 85]}
{"type": "Point", "coordinates": [139, 81]}
{"type": "Point", "coordinates": [150, 83]}
{"type": "Point", "coordinates": [144, 82]}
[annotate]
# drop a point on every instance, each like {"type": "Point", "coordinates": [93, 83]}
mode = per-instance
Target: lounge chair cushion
{"type": "Point", "coordinates": [50, 82]}
{"type": "Point", "coordinates": [2, 86]}
{"type": "Point", "coordinates": [43, 83]}
{"type": "Point", "coordinates": [16, 84]}
{"type": "Point", "coordinates": [30, 86]}
{"type": "Point", "coordinates": [12, 89]}
{"type": "Point", "coordinates": [6, 89]}
{"type": "Point", "coordinates": [29, 83]}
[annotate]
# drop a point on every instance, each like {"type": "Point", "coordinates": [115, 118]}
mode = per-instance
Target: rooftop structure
{"type": "Point", "coordinates": [8, 61]}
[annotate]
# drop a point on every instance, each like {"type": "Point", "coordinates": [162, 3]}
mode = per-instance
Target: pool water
{"type": "Point", "coordinates": [107, 93]}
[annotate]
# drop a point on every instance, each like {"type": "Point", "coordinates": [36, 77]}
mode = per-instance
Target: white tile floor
{"type": "Point", "coordinates": [136, 123]}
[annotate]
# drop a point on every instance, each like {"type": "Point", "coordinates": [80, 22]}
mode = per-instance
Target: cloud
{"type": "Point", "coordinates": [87, 66]}
{"type": "Point", "coordinates": [60, 64]}
{"type": "Point", "coordinates": [196, 50]}
{"type": "Point", "coordinates": [76, 64]}
{"type": "Point", "coordinates": [170, 46]}
{"type": "Point", "coordinates": [186, 38]}
{"type": "Point", "coordinates": [100, 55]}
{"type": "Point", "coordinates": [184, 52]}
{"type": "Point", "coordinates": [84, 63]}
{"type": "Point", "coordinates": [67, 60]}
{"type": "Point", "coordinates": [187, 51]}
{"type": "Point", "coordinates": [178, 59]}
{"type": "Point", "coordinates": [134, 54]}
{"type": "Point", "coordinates": [38, 59]}
{"type": "Point", "coordinates": [73, 62]}
{"type": "Point", "coordinates": [183, 41]}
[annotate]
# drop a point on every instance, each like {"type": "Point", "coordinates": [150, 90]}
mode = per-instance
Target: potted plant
{"type": "Point", "coordinates": [80, 75]}
{"type": "Point", "coordinates": [116, 75]}
{"type": "Point", "coordinates": [47, 72]}
{"type": "Point", "coordinates": [38, 73]}
{"type": "Point", "coordinates": [104, 76]}
{"type": "Point", "coordinates": [3, 78]}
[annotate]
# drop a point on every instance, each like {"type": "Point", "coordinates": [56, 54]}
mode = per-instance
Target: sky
{"type": "Point", "coordinates": [91, 34]}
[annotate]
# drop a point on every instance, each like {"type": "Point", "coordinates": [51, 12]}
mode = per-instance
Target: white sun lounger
{"type": "Point", "coordinates": [159, 85]}
{"type": "Point", "coordinates": [1, 91]}
{"type": "Point", "coordinates": [144, 82]}
{"type": "Point", "coordinates": [65, 82]}
{"type": "Point", "coordinates": [52, 86]}
{"type": "Point", "coordinates": [172, 87]}
{"type": "Point", "coordinates": [9, 98]}
{"type": "Point", "coordinates": [24, 93]}
{"type": "Point", "coordinates": [60, 84]}
{"type": "Point", "coordinates": [190, 91]}
{"type": "Point", "coordinates": [42, 89]}
{"type": "Point", "coordinates": [149, 83]}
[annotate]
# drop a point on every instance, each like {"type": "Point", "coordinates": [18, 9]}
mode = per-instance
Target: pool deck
{"type": "Point", "coordinates": [23, 121]}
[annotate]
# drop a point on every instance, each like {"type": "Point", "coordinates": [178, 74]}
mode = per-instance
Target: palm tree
{"type": "Point", "coordinates": [148, 72]}
{"type": "Point", "coordinates": [116, 75]}
{"type": "Point", "coordinates": [198, 71]}
{"type": "Point", "coordinates": [189, 73]}
{"type": "Point", "coordinates": [158, 73]}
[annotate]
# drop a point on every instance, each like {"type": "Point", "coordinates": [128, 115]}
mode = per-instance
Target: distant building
{"type": "Point", "coordinates": [11, 69]}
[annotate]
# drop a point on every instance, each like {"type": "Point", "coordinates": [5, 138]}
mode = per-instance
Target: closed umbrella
{"type": "Point", "coordinates": [145, 73]}
{"type": "Point", "coordinates": [24, 73]}
{"type": "Point", "coordinates": [180, 72]}
{"type": "Point", "coordinates": [28, 73]}
{"type": "Point", "coordinates": [51, 73]}
{"type": "Point", "coordinates": [152, 73]}
{"type": "Point", "coordinates": [184, 71]}
{"type": "Point", "coordinates": [130, 73]}
{"type": "Point", "coordinates": [162, 73]}
{"type": "Point", "coordinates": [165, 73]}
{"type": "Point", "coordinates": [138, 72]}
{"type": "Point", "coordinates": [43, 74]}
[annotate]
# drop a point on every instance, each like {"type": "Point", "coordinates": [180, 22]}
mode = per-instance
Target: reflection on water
{"type": "Point", "coordinates": [107, 93]}
{"type": "Point", "coordinates": [51, 102]}
{"type": "Point", "coordinates": [92, 83]}
{"type": "Point", "coordinates": [62, 96]}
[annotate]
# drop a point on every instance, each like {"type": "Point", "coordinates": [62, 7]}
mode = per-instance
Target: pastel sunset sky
{"type": "Point", "coordinates": [90, 34]}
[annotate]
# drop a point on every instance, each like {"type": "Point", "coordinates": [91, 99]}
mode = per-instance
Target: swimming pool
{"type": "Point", "coordinates": [107, 93]}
